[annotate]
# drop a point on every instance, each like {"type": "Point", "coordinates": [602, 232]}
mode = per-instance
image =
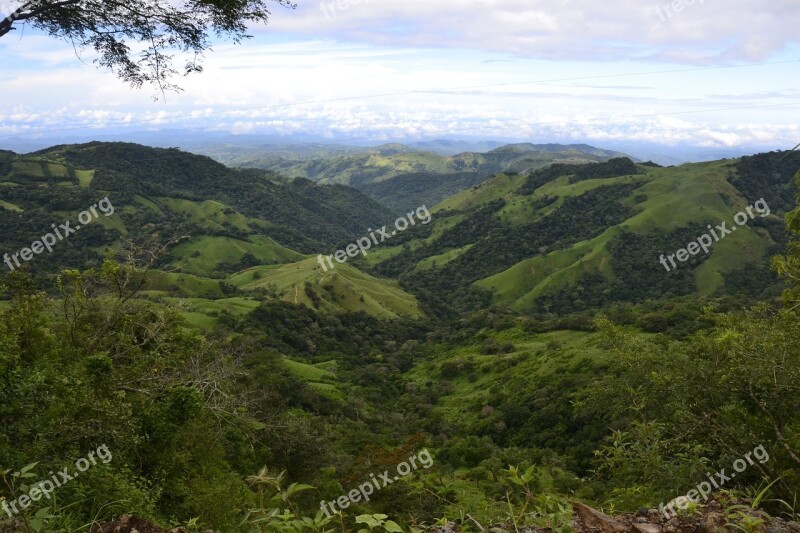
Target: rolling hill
{"type": "Point", "coordinates": [569, 238]}
{"type": "Point", "coordinates": [404, 177]}
{"type": "Point", "coordinates": [233, 225]}
{"type": "Point", "coordinates": [516, 328]}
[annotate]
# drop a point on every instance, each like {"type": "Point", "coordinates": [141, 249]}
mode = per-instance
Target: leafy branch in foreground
{"type": "Point", "coordinates": [138, 39]}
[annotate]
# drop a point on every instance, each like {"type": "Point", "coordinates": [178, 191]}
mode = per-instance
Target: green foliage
{"type": "Point", "coordinates": [739, 517]}
{"type": "Point", "coordinates": [497, 246]}
{"type": "Point", "coordinates": [626, 411]}
{"type": "Point", "coordinates": [377, 522]}
{"type": "Point", "coordinates": [645, 464]}
{"type": "Point", "coordinates": [551, 513]}
{"type": "Point", "coordinates": [743, 369]}
{"type": "Point", "coordinates": [613, 168]}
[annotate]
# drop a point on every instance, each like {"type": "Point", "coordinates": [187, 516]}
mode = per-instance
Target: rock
{"type": "Point", "coordinates": [592, 519]}
{"type": "Point", "coordinates": [646, 528]}
{"type": "Point", "coordinates": [713, 522]}
{"type": "Point", "coordinates": [714, 505]}
{"type": "Point", "coordinates": [672, 525]}
{"type": "Point", "coordinates": [778, 525]}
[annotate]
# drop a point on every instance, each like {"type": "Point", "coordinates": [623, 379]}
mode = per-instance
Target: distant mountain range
{"type": "Point", "coordinates": [537, 236]}
{"type": "Point", "coordinates": [405, 177]}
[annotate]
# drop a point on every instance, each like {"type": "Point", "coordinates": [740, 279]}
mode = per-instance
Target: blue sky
{"type": "Point", "coordinates": [702, 73]}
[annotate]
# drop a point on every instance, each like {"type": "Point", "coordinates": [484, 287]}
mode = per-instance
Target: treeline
{"type": "Point", "coordinates": [621, 166]}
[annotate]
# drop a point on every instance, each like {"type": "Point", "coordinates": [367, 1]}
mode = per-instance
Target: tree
{"type": "Point", "coordinates": [138, 39]}
{"type": "Point", "coordinates": [789, 266]}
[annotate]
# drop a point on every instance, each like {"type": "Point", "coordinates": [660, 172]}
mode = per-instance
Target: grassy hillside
{"type": "Point", "coordinates": [555, 360]}
{"type": "Point", "coordinates": [344, 289]}
{"type": "Point", "coordinates": [568, 238]}
{"type": "Point", "coordinates": [300, 214]}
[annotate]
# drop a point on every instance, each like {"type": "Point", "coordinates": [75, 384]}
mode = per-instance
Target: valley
{"type": "Point", "coordinates": [507, 330]}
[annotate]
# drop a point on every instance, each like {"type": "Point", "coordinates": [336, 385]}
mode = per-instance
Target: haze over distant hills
{"type": "Point", "coordinates": [223, 146]}
{"type": "Point", "coordinates": [405, 177]}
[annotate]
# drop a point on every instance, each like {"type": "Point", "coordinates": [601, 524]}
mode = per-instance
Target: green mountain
{"type": "Point", "coordinates": [404, 177]}
{"type": "Point", "coordinates": [562, 238]}
{"type": "Point", "coordinates": [228, 221]}
{"type": "Point", "coordinates": [574, 237]}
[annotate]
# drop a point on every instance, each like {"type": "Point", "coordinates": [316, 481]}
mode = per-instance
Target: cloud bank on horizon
{"type": "Point", "coordinates": [672, 72]}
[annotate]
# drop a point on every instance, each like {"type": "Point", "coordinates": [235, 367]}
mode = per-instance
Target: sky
{"type": "Point", "coordinates": [702, 73]}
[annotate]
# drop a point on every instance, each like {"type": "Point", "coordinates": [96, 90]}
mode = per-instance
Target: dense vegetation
{"type": "Point", "coordinates": [305, 217]}
{"type": "Point", "coordinates": [620, 166]}
{"type": "Point", "coordinates": [620, 389]}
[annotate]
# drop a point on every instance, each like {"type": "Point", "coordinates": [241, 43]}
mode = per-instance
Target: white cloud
{"type": "Point", "coordinates": [705, 32]}
{"type": "Point", "coordinates": [388, 70]}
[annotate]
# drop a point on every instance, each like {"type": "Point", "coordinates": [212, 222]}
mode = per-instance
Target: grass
{"type": "Point", "coordinates": [202, 255]}
{"type": "Point", "coordinates": [31, 168]}
{"type": "Point", "coordinates": [209, 214]}
{"type": "Point", "coordinates": [675, 197]}
{"type": "Point", "coordinates": [40, 170]}
{"type": "Point", "coordinates": [56, 170]}
{"type": "Point", "coordinates": [499, 186]}
{"type": "Point", "coordinates": [442, 259]}
{"type": "Point", "coordinates": [521, 284]}
{"type": "Point", "coordinates": [534, 356]}
{"type": "Point", "coordinates": [204, 313]}
{"type": "Point", "coordinates": [342, 289]}
{"type": "Point", "coordinates": [9, 206]}
{"type": "Point", "coordinates": [317, 376]}
{"type": "Point", "coordinates": [309, 372]}
{"type": "Point", "coordinates": [184, 285]}
{"type": "Point", "coordinates": [84, 177]}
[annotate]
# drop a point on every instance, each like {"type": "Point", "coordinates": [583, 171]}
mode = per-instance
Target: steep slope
{"type": "Point", "coordinates": [344, 289]}
{"type": "Point", "coordinates": [230, 221]}
{"type": "Point", "coordinates": [302, 215]}
{"type": "Point", "coordinates": [568, 238]}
